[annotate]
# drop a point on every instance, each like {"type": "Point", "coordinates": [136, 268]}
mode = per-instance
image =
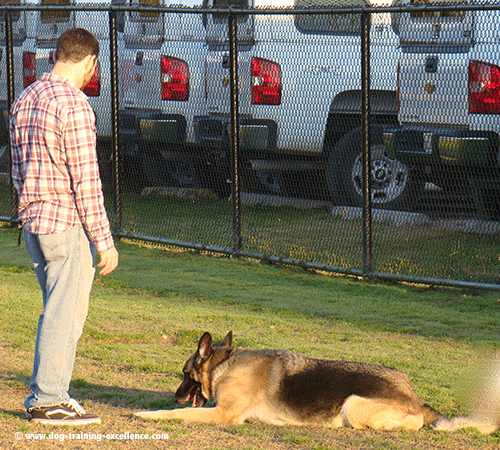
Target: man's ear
{"type": "Point", "coordinates": [90, 62]}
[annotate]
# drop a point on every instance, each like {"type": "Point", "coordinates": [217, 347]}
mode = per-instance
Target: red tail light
{"type": "Point", "coordinates": [93, 89]}
{"type": "Point", "coordinates": [174, 79]}
{"type": "Point", "coordinates": [266, 82]}
{"type": "Point", "coordinates": [29, 68]}
{"type": "Point", "coordinates": [484, 88]}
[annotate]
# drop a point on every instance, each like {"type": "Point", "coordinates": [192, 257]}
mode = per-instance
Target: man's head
{"type": "Point", "coordinates": [76, 56]}
{"type": "Point", "coordinates": [75, 44]}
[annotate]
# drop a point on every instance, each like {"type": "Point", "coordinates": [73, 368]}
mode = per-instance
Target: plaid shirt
{"type": "Point", "coordinates": [54, 162]}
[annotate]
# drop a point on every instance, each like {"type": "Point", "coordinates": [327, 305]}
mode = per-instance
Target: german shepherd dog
{"type": "Point", "coordinates": [285, 388]}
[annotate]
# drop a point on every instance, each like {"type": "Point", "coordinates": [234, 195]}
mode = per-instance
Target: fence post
{"type": "Point", "coordinates": [366, 151]}
{"type": "Point", "coordinates": [115, 141]}
{"type": "Point", "coordinates": [10, 100]}
{"type": "Point", "coordinates": [235, 130]}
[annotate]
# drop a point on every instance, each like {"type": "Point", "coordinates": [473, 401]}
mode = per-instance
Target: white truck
{"type": "Point", "coordinates": [163, 73]}
{"type": "Point", "coordinates": [449, 100]}
{"type": "Point", "coordinates": [23, 39]}
{"type": "Point", "coordinates": [299, 93]}
{"type": "Point", "coordinates": [300, 99]}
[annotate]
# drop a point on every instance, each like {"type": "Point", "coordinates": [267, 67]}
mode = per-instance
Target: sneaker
{"type": "Point", "coordinates": [66, 413]}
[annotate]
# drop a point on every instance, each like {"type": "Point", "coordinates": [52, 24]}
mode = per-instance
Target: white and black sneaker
{"type": "Point", "coordinates": [66, 413]}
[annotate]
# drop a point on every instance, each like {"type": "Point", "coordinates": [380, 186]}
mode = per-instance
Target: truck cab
{"type": "Point", "coordinates": [449, 100]}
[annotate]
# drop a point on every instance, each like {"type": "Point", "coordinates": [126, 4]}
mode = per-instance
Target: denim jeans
{"type": "Point", "coordinates": [64, 265]}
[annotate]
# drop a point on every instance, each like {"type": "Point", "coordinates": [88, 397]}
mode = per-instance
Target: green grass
{"type": "Point", "coordinates": [315, 235]}
{"type": "Point", "coordinates": [430, 250]}
{"type": "Point", "coordinates": [146, 318]}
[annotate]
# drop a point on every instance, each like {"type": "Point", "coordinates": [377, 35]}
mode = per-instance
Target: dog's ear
{"type": "Point", "coordinates": [205, 345]}
{"type": "Point", "coordinates": [228, 340]}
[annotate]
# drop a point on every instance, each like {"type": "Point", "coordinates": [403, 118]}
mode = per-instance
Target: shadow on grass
{"type": "Point", "coordinates": [135, 399]}
{"type": "Point", "coordinates": [122, 397]}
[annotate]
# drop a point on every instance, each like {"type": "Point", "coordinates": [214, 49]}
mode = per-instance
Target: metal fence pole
{"type": "Point", "coordinates": [366, 151]}
{"type": "Point", "coordinates": [235, 129]}
{"type": "Point", "coordinates": [10, 100]}
{"type": "Point", "coordinates": [115, 141]}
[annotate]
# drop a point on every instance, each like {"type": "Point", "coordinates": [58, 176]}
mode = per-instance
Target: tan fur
{"type": "Point", "coordinates": [359, 413]}
{"type": "Point", "coordinates": [285, 388]}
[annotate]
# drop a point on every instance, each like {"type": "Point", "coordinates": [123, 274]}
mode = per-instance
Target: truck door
{"type": "Point", "coordinates": [433, 72]}
{"type": "Point", "coordinates": [217, 65]}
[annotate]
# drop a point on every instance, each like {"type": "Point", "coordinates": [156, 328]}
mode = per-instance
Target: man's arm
{"type": "Point", "coordinates": [80, 145]}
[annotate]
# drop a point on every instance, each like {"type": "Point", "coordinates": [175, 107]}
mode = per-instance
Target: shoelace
{"type": "Point", "coordinates": [72, 403]}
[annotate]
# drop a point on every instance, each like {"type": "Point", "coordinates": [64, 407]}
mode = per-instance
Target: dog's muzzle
{"type": "Point", "coordinates": [185, 393]}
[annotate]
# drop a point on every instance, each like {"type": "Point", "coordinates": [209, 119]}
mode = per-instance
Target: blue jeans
{"type": "Point", "coordinates": [64, 265]}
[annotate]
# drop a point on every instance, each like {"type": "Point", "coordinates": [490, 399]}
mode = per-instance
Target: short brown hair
{"type": "Point", "coordinates": [75, 44]}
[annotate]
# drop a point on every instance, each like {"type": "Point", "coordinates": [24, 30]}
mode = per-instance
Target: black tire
{"type": "Point", "coordinates": [133, 174]}
{"type": "Point", "coordinates": [213, 172]}
{"type": "Point", "coordinates": [271, 182]}
{"type": "Point", "coordinates": [490, 198]}
{"type": "Point", "coordinates": [276, 182]}
{"type": "Point", "coordinates": [161, 172]}
{"type": "Point", "coordinates": [393, 186]}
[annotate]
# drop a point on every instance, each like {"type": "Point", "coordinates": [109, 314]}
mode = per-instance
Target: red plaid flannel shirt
{"type": "Point", "coordinates": [54, 162]}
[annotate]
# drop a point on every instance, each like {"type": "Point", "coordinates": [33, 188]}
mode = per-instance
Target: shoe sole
{"type": "Point", "coordinates": [67, 421]}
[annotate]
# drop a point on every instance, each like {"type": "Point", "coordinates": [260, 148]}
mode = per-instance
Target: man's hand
{"type": "Point", "coordinates": [109, 261]}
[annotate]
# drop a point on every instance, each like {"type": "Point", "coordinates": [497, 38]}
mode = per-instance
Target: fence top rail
{"type": "Point", "coordinates": [490, 6]}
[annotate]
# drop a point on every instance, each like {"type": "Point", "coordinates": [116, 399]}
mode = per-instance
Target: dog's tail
{"type": "Point", "coordinates": [457, 423]}
{"type": "Point", "coordinates": [484, 403]}
{"type": "Point", "coordinates": [431, 415]}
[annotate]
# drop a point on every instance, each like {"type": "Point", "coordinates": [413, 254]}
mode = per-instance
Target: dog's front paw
{"type": "Point", "coordinates": [145, 415]}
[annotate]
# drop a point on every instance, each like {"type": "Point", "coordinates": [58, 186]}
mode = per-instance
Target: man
{"type": "Point", "coordinates": [61, 208]}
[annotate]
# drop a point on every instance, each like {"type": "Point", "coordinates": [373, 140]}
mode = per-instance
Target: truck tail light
{"type": "Point", "coordinates": [484, 88]}
{"type": "Point", "coordinates": [174, 79]}
{"type": "Point", "coordinates": [266, 82]}
{"type": "Point", "coordinates": [93, 89]}
{"type": "Point", "coordinates": [29, 68]}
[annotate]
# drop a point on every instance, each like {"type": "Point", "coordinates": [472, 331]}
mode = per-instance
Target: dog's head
{"type": "Point", "coordinates": [197, 383]}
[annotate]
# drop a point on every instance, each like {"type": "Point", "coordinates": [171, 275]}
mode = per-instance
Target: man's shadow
{"type": "Point", "coordinates": [115, 396]}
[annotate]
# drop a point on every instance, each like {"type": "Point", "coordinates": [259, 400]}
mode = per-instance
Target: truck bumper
{"type": "Point", "coordinates": [255, 134]}
{"type": "Point", "coordinates": [442, 146]}
{"type": "Point", "coordinates": [146, 130]}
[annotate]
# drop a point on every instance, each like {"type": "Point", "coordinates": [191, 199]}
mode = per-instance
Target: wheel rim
{"type": "Point", "coordinates": [270, 181]}
{"type": "Point", "coordinates": [389, 177]}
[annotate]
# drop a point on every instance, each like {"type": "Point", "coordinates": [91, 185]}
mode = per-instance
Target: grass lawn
{"type": "Point", "coordinates": [146, 318]}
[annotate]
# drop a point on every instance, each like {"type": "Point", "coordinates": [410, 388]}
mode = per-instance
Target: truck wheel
{"type": "Point", "coordinates": [393, 186]}
{"type": "Point", "coordinates": [161, 172]}
{"type": "Point", "coordinates": [271, 182]}
{"type": "Point", "coordinates": [491, 203]}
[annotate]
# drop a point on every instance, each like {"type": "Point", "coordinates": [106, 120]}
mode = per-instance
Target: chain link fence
{"type": "Point", "coordinates": [328, 134]}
